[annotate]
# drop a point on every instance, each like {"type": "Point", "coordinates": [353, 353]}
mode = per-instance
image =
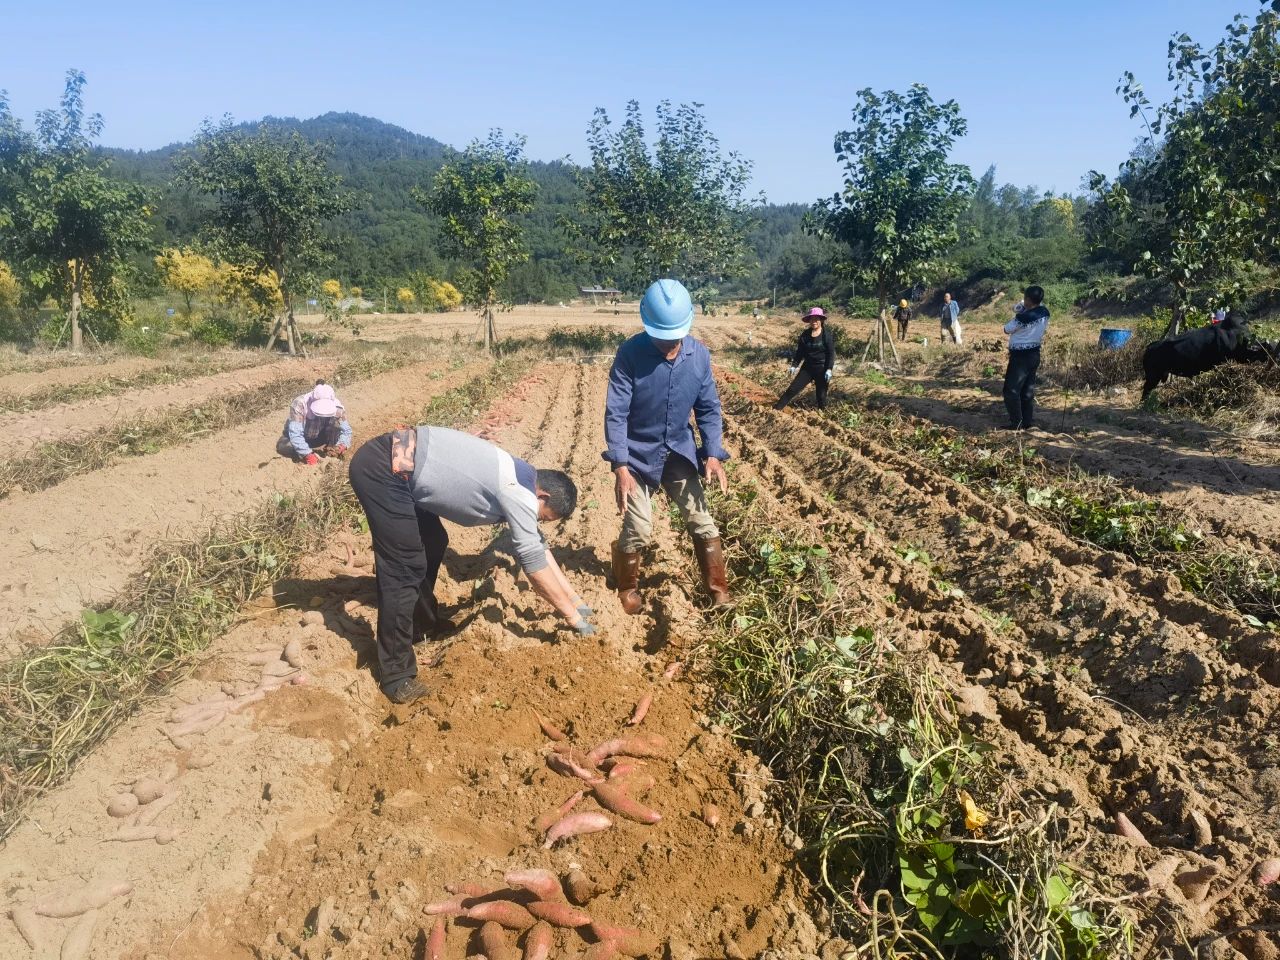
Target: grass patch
{"type": "Point", "coordinates": [923, 846]}
{"type": "Point", "coordinates": [58, 702]}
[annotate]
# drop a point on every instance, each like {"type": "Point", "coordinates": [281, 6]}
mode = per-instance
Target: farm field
{"type": "Point", "coordinates": [318, 819]}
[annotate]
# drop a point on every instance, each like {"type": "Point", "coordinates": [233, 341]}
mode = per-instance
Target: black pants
{"type": "Point", "coordinates": [408, 546]}
{"type": "Point", "coordinates": [1020, 386]}
{"type": "Point", "coordinates": [902, 329]}
{"type": "Point", "coordinates": [815, 375]}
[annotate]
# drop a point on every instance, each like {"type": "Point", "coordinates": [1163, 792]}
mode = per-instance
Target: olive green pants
{"type": "Point", "coordinates": [681, 482]}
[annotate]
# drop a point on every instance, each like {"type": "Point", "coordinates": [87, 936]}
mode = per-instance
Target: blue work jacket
{"type": "Point", "coordinates": [646, 414]}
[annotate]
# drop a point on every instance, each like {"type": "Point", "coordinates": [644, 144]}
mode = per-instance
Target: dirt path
{"type": "Point", "coordinates": [63, 371]}
{"type": "Point", "coordinates": [322, 820]}
{"type": "Point", "coordinates": [96, 529]}
{"type": "Point", "coordinates": [67, 421]}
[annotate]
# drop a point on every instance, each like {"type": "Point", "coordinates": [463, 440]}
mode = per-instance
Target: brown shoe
{"type": "Point", "coordinates": [626, 579]}
{"type": "Point", "coordinates": [711, 563]}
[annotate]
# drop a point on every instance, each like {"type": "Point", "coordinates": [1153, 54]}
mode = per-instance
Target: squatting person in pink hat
{"type": "Point", "coordinates": [317, 425]}
{"type": "Point", "coordinates": [814, 358]}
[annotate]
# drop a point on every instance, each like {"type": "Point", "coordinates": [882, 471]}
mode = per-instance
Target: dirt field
{"type": "Point", "coordinates": [319, 820]}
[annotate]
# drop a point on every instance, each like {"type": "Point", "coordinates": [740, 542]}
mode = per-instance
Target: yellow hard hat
{"type": "Point", "coordinates": [902, 303]}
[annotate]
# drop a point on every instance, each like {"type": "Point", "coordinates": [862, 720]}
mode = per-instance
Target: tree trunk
{"type": "Point", "coordinates": [1175, 321]}
{"type": "Point", "coordinates": [486, 321]}
{"type": "Point", "coordinates": [77, 295]}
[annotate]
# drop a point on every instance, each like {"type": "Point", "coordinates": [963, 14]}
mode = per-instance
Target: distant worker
{"type": "Point", "coordinates": [317, 426]}
{"type": "Point", "coordinates": [409, 480]}
{"type": "Point", "coordinates": [813, 361]}
{"type": "Point", "coordinates": [950, 320]}
{"type": "Point", "coordinates": [903, 316]}
{"type": "Point", "coordinates": [1026, 331]}
{"type": "Point", "coordinates": [660, 377]}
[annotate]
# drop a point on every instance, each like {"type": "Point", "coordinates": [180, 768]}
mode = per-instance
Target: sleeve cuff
{"type": "Point", "coordinates": [718, 452]}
{"type": "Point", "coordinates": [618, 458]}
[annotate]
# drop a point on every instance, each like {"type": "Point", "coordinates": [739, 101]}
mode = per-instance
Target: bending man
{"type": "Point", "coordinates": [408, 481]}
{"type": "Point", "coordinates": [659, 378]}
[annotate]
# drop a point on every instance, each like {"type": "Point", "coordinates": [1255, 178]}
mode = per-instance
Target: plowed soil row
{"type": "Point", "coordinates": [1102, 690]}
{"type": "Point", "coordinates": [95, 530]}
{"type": "Point", "coordinates": [87, 417]}
{"type": "Point", "coordinates": [320, 821]}
{"type": "Point", "coordinates": [27, 374]}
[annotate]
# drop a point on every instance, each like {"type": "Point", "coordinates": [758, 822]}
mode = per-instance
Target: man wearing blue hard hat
{"type": "Point", "coordinates": [658, 379]}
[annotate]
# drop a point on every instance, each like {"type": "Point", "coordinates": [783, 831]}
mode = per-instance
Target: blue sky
{"type": "Point", "coordinates": [1036, 81]}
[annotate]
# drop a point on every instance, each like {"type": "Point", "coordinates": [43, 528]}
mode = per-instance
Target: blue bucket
{"type": "Point", "coordinates": [1111, 338]}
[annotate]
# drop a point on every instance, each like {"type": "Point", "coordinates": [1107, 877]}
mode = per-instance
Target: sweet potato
{"type": "Point", "coordinates": [538, 941]}
{"type": "Point", "coordinates": [581, 888]}
{"type": "Point", "coordinates": [122, 805]}
{"type": "Point", "coordinates": [643, 745]}
{"type": "Point", "coordinates": [503, 912]}
{"type": "Point", "coordinates": [148, 789]}
{"type": "Point", "coordinates": [135, 833]}
{"type": "Point", "coordinates": [293, 653]}
{"type": "Point", "coordinates": [710, 815]}
{"type": "Point", "coordinates": [1267, 872]}
{"type": "Point", "coordinates": [278, 668]}
{"type": "Point", "coordinates": [567, 768]}
{"type": "Point", "coordinates": [494, 941]}
{"type": "Point", "coordinates": [636, 782]}
{"type": "Point", "coordinates": [198, 725]}
{"type": "Point", "coordinates": [543, 884]}
{"type": "Point", "coordinates": [435, 941]}
{"type": "Point", "coordinates": [616, 800]}
{"type": "Point", "coordinates": [575, 825]}
{"type": "Point", "coordinates": [468, 888]}
{"type": "Point", "coordinates": [604, 950]}
{"type": "Point", "coordinates": [673, 671]}
{"type": "Point", "coordinates": [262, 657]}
{"type": "Point", "coordinates": [1125, 828]}
{"type": "Point", "coordinates": [628, 940]}
{"type": "Point", "coordinates": [453, 907]}
{"type": "Point", "coordinates": [552, 817]}
{"type": "Point", "coordinates": [549, 729]}
{"type": "Point", "coordinates": [559, 914]}
{"type": "Point", "coordinates": [153, 810]}
{"type": "Point", "coordinates": [199, 708]}
{"type": "Point", "coordinates": [24, 918]}
{"type": "Point", "coordinates": [80, 937]}
{"type": "Point", "coordinates": [641, 710]}
{"type": "Point", "coordinates": [88, 898]}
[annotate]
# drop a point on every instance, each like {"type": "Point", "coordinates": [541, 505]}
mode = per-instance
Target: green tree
{"type": "Point", "coordinates": [68, 228]}
{"type": "Point", "coordinates": [480, 196]}
{"type": "Point", "coordinates": [1195, 205]}
{"type": "Point", "coordinates": [902, 196]}
{"type": "Point", "coordinates": [679, 210]}
{"type": "Point", "coordinates": [273, 195]}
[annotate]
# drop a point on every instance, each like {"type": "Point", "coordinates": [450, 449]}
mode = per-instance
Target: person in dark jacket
{"type": "Point", "coordinates": [1026, 330]}
{"type": "Point", "coordinates": [814, 357]}
{"type": "Point", "coordinates": [903, 316]}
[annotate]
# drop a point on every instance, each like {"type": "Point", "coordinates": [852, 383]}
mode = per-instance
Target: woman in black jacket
{"type": "Point", "coordinates": [814, 357]}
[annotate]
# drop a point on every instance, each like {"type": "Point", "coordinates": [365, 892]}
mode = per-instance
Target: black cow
{"type": "Point", "coordinates": [1199, 350]}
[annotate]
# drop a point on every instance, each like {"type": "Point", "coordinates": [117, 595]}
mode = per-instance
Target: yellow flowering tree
{"type": "Point", "coordinates": [10, 292]}
{"type": "Point", "coordinates": [446, 294]}
{"type": "Point", "coordinates": [331, 289]}
{"type": "Point", "coordinates": [405, 297]}
{"type": "Point", "coordinates": [249, 290]}
{"type": "Point", "coordinates": [187, 273]}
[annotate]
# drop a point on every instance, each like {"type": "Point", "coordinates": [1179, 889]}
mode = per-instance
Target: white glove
{"type": "Point", "coordinates": [792, 370]}
{"type": "Point", "coordinates": [827, 375]}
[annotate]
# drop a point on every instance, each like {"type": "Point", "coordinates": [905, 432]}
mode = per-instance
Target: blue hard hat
{"type": "Point", "coordinates": [667, 310]}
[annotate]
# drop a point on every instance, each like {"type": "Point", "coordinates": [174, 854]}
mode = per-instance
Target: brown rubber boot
{"type": "Point", "coordinates": [711, 563]}
{"type": "Point", "coordinates": [626, 579]}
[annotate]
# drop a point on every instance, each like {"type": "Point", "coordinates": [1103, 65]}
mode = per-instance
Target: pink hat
{"type": "Point", "coordinates": [324, 402]}
{"type": "Point", "coordinates": [815, 312]}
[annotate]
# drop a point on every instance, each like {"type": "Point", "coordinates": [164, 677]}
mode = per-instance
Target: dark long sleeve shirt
{"type": "Point", "coordinates": [648, 405]}
{"type": "Point", "coordinates": [815, 352]}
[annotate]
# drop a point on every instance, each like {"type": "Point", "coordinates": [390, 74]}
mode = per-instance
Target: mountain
{"type": "Point", "coordinates": [389, 235]}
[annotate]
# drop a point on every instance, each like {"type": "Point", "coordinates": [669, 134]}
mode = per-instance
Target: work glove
{"type": "Point", "coordinates": [584, 628]}
{"type": "Point", "coordinates": [340, 450]}
{"type": "Point", "coordinates": [583, 610]}
{"type": "Point", "coordinates": [310, 459]}
{"type": "Point", "coordinates": [827, 375]}
{"type": "Point", "coordinates": [792, 370]}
